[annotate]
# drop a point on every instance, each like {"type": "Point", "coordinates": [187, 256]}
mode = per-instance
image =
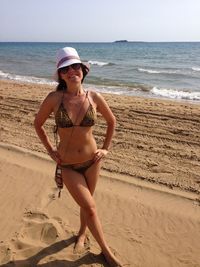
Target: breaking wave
{"type": "Point", "coordinates": [175, 94]}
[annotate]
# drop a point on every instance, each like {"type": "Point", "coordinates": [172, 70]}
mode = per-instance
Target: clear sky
{"type": "Point", "coordinates": [99, 20]}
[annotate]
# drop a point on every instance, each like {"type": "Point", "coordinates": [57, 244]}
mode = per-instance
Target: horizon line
{"type": "Point", "coordinates": [116, 41]}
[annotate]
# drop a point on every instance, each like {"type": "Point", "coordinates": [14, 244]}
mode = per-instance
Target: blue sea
{"type": "Point", "coordinates": [152, 69]}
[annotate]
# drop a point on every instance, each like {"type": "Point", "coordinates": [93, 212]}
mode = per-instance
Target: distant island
{"type": "Point", "coordinates": [121, 41]}
{"type": "Point", "coordinates": [126, 41]}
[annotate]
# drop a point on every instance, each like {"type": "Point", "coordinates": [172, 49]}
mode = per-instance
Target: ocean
{"type": "Point", "coordinates": [151, 69]}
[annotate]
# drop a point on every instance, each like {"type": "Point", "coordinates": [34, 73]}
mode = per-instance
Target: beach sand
{"type": "Point", "coordinates": [147, 196]}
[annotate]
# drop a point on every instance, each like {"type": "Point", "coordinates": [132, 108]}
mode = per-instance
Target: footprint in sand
{"type": "Point", "coordinates": [38, 231]}
{"type": "Point", "coordinates": [39, 227]}
{"type": "Point", "coordinates": [5, 253]}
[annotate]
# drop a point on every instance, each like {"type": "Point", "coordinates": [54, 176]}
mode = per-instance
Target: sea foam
{"type": "Point", "coordinates": [161, 71]}
{"type": "Point", "coordinates": [98, 63]}
{"type": "Point", "coordinates": [196, 68]}
{"type": "Point", "coordinates": [26, 79]}
{"type": "Point", "coordinates": [175, 94]}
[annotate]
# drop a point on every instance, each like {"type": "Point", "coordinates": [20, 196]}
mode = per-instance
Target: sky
{"type": "Point", "coordinates": [99, 20]}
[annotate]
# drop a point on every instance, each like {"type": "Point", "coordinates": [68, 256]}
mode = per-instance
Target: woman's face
{"type": "Point", "coordinates": [72, 73]}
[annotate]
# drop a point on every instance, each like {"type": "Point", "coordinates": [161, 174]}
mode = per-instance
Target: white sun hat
{"type": "Point", "coordinates": [67, 56]}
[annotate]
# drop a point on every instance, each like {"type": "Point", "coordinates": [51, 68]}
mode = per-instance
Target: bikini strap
{"type": "Point", "coordinates": [87, 96]}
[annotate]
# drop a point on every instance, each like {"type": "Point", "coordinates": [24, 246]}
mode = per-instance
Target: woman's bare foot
{"type": "Point", "coordinates": [111, 259]}
{"type": "Point", "coordinates": [82, 244]}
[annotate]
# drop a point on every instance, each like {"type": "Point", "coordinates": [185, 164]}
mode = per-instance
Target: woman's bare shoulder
{"type": "Point", "coordinates": [95, 95]}
{"type": "Point", "coordinates": [53, 96]}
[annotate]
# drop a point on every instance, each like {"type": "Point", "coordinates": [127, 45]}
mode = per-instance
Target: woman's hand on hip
{"type": "Point", "coordinates": [100, 154]}
{"type": "Point", "coordinates": [55, 156]}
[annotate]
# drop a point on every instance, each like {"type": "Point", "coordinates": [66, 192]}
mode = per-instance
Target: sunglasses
{"type": "Point", "coordinates": [75, 66]}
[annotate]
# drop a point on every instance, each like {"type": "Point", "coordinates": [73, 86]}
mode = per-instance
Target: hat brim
{"type": "Point", "coordinates": [85, 68]}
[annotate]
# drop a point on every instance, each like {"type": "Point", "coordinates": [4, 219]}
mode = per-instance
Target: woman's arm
{"type": "Point", "coordinates": [109, 117]}
{"type": "Point", "coordinates": [43, 114]}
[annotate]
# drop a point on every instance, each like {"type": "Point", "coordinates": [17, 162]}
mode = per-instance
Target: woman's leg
{"type": "Point", "coordinates": [78, 188]}
{"type": "Point", "coordinates": [91, 176]}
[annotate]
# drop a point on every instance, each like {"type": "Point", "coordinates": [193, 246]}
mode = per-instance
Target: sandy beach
{"type": "Point", "coordinates": [147, 196]}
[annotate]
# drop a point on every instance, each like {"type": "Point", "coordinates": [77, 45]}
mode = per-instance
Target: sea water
{"type": "Point", "coordinates": [169, 70]}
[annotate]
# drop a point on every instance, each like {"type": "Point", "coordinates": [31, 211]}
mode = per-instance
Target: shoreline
{"type": "Point", "coordinates": [140, 90]}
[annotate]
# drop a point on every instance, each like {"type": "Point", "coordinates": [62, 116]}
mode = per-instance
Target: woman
{"type": "Point", "coordinates": [77, 154]}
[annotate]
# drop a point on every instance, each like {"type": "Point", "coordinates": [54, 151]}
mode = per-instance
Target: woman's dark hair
{"type": "Point", "coordinates": [62, 84]}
